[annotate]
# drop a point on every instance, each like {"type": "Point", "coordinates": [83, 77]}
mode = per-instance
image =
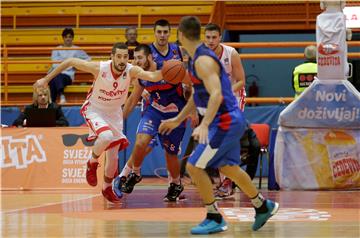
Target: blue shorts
{"type": "Point", "coordinates": [224, 147]}
{"type": "Point", "coordinates": [149, 124]}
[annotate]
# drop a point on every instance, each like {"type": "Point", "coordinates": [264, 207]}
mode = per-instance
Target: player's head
{"type": "Point", "coordinates": [142, 56]}
{"type": "Point", "coordinates": [162, 32]}
{"type": "Point", "coordinates": [131, 35]}
{"type": "Point", "coordinates": [189, 28]}
{"type": "Point", "coordinates": [310, 52]}
{"type": "Point", "coordinates": [119, 56]}
{"type": "Point", "coordinates": [212, 35]}
{"type": "Point", "coordinates": [68, 36]}
{"type": "Point", "coordinates": [41, 96]}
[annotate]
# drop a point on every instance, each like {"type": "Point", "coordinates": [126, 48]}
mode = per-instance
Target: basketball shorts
{"type": "Point", "coordinates": [99, 121]}
{"type": "Point", "coordinates": [224, 147]}
{"type": "Point", "coordinates": [149, 124]}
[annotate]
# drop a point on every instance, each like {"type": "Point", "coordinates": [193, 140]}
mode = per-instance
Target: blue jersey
{"type": "Point", "coordinates": [201, 96]}
{"type": "Point", "coordinates": [165, 97]}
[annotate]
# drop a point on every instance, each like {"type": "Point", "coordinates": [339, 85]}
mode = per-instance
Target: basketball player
{"type": "Point", "coordinates": [102, 108]}
{"type": "Point", "coordinates": [230, 59]}
{"type": "Point", "coordinates": [218, 133]}
{"type": "Point", "coordinates": [166, 101]}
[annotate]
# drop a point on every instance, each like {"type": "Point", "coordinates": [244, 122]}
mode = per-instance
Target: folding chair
{"type": "Point", "coordinates": [262, 132]}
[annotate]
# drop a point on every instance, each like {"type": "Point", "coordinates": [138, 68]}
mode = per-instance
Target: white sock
{"type": "Point", "coordinates": [212, 208]}
{"type": "Point", "coordinates": [175, 180]}
{"type": "Point", "coordinates": [258, 200]}
{"type": "Point", "coordinates": [125, 171]}
{"type": "Point", "coordinates": [136, 170]}
{"type": "Point", "coordinates": [106, 185]}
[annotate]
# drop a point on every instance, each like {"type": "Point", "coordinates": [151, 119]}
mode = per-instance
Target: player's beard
{"type": "Point", "coordinates": [120, 67]}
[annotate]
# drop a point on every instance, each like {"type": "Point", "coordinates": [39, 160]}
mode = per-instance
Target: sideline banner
{"type": "Point", "coordinates": [325, 104]}
{"type": "Point", "coordinates": [45, 158]}
{"type": "Point", "coordinates": [317, 158]}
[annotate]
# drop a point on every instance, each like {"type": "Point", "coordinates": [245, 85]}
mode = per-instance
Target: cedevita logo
{"type": "Point", "coordinates": [19, 153]}
{"type": "Point", "coordinates": [328, 49]}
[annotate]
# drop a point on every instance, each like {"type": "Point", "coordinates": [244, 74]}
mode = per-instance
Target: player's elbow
{"type": "Point", "coordinates": [216, 95]}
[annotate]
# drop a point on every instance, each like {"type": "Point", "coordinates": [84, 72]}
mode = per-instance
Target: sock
{"type": "Point", "coordinates": [175, 180]}
{"type": "Point", "coordinates": [106, 185]}
{"type": "Point", "coordinates": [259, 203]}
{"type": "Point", "coordinates": [136, 170]}
{"type": "Point", "coordinates": [212, 207]}
{"type": "Point", "coordinates": [94, 158]}
{"type": "Point", "coordinates": [125, 171]}
{"type": "Point", "coordinates": [213, 213]}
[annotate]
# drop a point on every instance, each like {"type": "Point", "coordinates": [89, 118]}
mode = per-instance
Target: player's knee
{"type": "Point", "coordinates": [141, 144]}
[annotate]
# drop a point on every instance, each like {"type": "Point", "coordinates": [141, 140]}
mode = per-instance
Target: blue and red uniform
{"type": "Point", "coordinates": [166, 101]}
{"type": "Point", "coordinates": [228, 125]}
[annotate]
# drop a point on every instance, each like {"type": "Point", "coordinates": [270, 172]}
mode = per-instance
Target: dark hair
{"type": "Point", "coordinates": [144, 47]}
{"type": "Point", "coordinates": [67, 31]}
{"type": "Point", "coordinates": [190, 26]}
{"type": "Point", "coordinates": [119, 45]}
{"type": "Point", "coordinates": [213, 27]}
{"type": "Point", "coordinates": [161, 22]}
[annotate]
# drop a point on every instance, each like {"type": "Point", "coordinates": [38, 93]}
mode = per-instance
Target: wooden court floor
{"type": "Point", "coordinates": [84, 213]}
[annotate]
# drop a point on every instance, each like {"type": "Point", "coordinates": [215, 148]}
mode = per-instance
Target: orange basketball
{"type": "Point", "coordinates": [173, 71]}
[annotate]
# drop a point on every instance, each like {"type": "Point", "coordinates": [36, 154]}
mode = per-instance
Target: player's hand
{"type": "Point", "coordinates": [167, 126]}
{"type": "Point", "coordinates": [146, 95]}
{"type": "Point", "coordinates": [201, 134]}
{"type": "Point", "coordinates": [41, 83]}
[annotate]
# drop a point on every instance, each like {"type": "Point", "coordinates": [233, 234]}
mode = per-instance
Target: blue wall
{"type": "Point", "coordinates": [156, 159]}
{"type": "Point", "coordinates": [273, 76]}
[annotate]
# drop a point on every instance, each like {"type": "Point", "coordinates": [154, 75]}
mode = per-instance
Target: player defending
{"type": "Point", "coordinates": [218, 133]}
{"type": "Point", "coordinates": [102, 108]}
{"type": "Point", "coordinates": [231, 61]}
{"type": "Point", "coordinates": [166, 101]}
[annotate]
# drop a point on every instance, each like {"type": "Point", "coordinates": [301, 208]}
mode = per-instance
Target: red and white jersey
{"type": "Point", "coordinates": [107, 92]}
{"type": "Point", "coordinates": [225, 59]}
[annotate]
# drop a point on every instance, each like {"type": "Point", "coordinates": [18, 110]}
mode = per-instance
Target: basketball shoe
{"type": "Point", "coordinates": [262, 218]}
{"type": "Point", "coordinates": [91, 177]}
{"type": "Point", "coordinates": [209, 227]}
{"type": "Point", "coordinates": [174, 192]}
{"type": "Point", "coordinates": [130, 182]}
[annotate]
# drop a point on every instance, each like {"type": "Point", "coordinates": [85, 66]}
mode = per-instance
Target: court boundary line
{"type": "Point", "coordinates": [48, 204]}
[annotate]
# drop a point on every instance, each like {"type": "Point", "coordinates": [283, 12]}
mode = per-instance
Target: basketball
{"type": "Point", "coordinates": [173, 71]}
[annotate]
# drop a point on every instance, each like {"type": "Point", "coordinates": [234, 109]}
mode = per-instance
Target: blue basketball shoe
{"type": "Point", "coordinates": [261, 218]}
{"type": "Point", "coordinates": [117, 184]}
{"type": "Point", "coordinates": [209, 227]}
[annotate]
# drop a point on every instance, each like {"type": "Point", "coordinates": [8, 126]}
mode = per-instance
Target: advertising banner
{"type": "Point", "coordinates": [45, 158]}
{"type": "Point", "coordinates": [317, 158]}
{"type": "Point", "coordinates": [325, 104]}
{"type": "Point", "coordinates": [331, 45]}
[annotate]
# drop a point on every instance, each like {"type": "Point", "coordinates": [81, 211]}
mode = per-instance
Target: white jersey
{"type": "Point", "coordinates": [108, 93]}
{"type": "Point", "coordinates": [225, 59]}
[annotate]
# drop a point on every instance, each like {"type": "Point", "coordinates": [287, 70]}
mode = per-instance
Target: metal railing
{"type": "Point", "coordinates": [105, 50]}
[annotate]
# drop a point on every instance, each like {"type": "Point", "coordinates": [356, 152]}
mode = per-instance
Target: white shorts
{"type": "Point", "coordinates": [99, 121]}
